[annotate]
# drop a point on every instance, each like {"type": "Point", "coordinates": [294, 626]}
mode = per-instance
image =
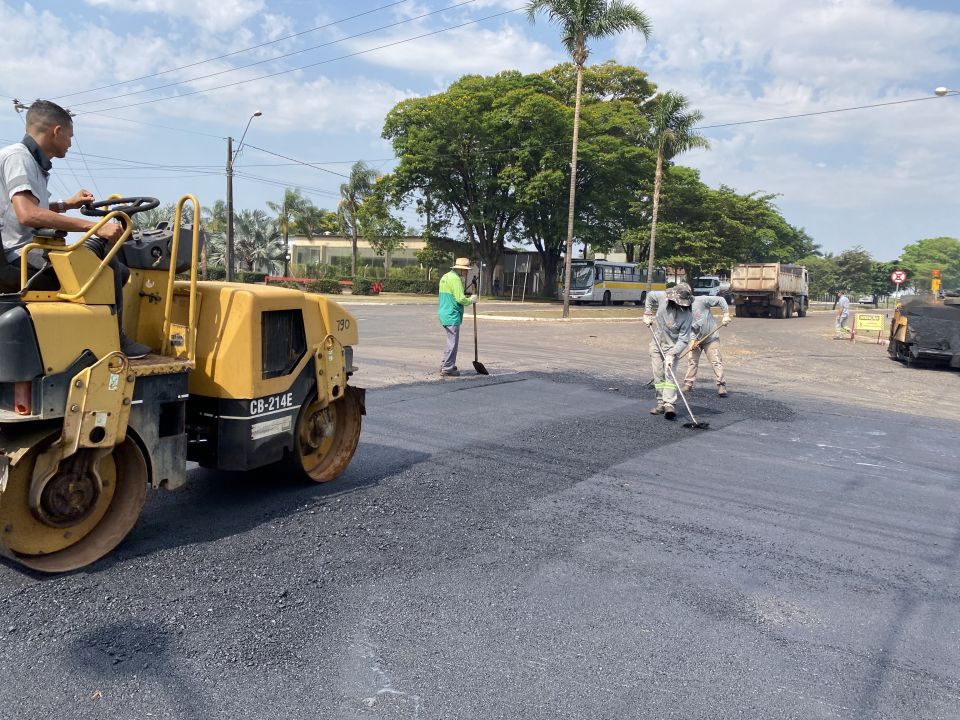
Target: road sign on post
{"type": "Point", "coordinates": [898, 277]}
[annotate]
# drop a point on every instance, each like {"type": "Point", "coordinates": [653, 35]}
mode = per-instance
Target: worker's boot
{"type": "Point", "coordinates": [687, 387]}
{"type": "Point", "coordinates": [722, 390]}
{"type": "Point", "coordinates": [669, 412]}
{"type": "Point", "coordinates": [658, 410]}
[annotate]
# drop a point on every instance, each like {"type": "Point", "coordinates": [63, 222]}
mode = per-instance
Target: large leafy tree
{"type": "Point", "coordinates": [941, 253]}
{"type": "Point", "coordinates": [855, 270]}
{"type": "Point", "coordinates": [672, 131]}
{"type": "Point", "coordinates": [352, 196]}
{"type": "Point", "coordinates": [823, 274]}
{"type": "Point", "coordinates": [581, 21]}
{"type": "Point", "coordinates": [460, 148]}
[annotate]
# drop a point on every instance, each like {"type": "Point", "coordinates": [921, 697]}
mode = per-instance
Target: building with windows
{"type": "Point", "coordinates": [337, 250]}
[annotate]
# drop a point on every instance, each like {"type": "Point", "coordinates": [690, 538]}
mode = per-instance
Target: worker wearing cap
{"type": "Point", "coordinates": [452, 302]}
{"type": "Point", "coordinates": [674, 330]}
{"type": "Point", "coordinates": [706, 340]}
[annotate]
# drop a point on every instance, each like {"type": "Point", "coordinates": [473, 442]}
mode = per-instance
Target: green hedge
{"type": "Point", "coordinates": [246, 276]}
{"type": "Point", "coordinates": [361, 286]}
{"type": "Point", "coordinates": [410, 285]}
{"type": "Point", "coordinates": [330, 287]}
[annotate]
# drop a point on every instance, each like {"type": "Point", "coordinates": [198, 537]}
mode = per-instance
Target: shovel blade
{"type": "Point", "coordinates": [697, 425]}
{"type": "Point", "coordinates": [478, 366]}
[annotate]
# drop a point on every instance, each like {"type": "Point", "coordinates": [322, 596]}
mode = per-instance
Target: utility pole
{"type": "Point", "coordinates": [229, 257]}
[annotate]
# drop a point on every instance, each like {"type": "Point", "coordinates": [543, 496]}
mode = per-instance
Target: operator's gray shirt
{"type": "Point", "coordinates": [23, 167]}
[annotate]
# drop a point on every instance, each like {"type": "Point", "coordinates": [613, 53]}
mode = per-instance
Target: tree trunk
{"type": "Point", "coordinates": [658, 176]}
{"type": "Point", "coordinates": [353, 257]}
{"type": "Point", "coordinates": [568, 254]}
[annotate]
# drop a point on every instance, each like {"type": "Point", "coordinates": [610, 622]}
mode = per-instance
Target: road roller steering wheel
{"type": "Point", "coordinates": [128, 205]}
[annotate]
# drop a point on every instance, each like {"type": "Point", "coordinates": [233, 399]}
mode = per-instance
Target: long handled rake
{"type": "Point", "coordinates": [668, 366]}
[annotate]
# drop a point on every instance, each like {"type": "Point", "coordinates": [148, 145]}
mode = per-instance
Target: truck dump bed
{"type": "Point", "coordinates": [768, 277]}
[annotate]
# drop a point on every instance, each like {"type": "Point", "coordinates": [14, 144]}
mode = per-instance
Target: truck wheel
{"type": "Point", "coordinates": [802, 307]}
{"type": "Point", "coordinates": [606, 298]}
{"type": "Point", "coordinates": [788, 309]}
{"type": "Point", "coordinates": [77, 516]}
{"type": "Point", "coordinates": [326, 438]}
{"type": "Point", "coordinates": [740, 310]}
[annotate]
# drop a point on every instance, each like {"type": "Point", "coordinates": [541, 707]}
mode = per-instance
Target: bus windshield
{"type": "Point", "coordinates": [705, 282]}
{"type": "Point", "coordinates": [581, 276]}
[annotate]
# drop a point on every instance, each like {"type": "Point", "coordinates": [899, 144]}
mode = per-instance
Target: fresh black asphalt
{"type": "Point", "coordinates": [527, 546]}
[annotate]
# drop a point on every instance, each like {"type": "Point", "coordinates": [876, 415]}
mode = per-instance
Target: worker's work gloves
{"type": "Point", "coordinates": [725, 320]}
{"type": "Point", "coordinates": [473, 299]}
{"type": "Point", "coordinates": [648, 320]}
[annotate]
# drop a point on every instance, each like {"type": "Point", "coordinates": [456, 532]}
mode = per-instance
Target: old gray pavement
{"type": "Point", "coordinates": [535, 545]}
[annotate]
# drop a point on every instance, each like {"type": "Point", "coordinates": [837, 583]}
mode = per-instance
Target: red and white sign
{"type": "Point", "coordinates": [898, 277]}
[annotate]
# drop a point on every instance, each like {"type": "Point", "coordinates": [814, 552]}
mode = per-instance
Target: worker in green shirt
{"type": "Point", "coordinates": [452, 301]}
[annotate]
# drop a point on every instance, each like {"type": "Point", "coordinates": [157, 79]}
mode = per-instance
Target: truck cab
{"type": "Point", "coordinates": [712, 285]}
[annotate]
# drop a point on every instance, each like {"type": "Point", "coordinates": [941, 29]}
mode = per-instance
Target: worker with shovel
{"type": "Point", "coordinates": [706, 340]}
{"type": "Point", "coordinates": [673, 331]}
{"type": "Point", "coordinates": [452, 302]}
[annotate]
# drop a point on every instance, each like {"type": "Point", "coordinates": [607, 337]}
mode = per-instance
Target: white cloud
{"type": "Point", "coordinates": [469, 50]}
{"type": "Point", "coordinates": [742, 60]}
{"type": "Point", "coordinates": [219, 15]}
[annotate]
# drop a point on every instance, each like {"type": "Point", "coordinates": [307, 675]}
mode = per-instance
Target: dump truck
{"type": "Point", "coordinates": [926, 332]}
{"type": "Point", "coordinates": [239, 377]}
{"type": "Point", "coordinates": [777, 290]}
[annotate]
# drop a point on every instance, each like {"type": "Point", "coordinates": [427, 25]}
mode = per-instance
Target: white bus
{"type": "Point", "coordinates": [606, 282]}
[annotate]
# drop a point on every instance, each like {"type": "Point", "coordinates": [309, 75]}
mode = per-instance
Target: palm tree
{"type": "Point", "coordinates": [671, 132]}
{"type": "Point", "coordinates": [352, 194]}
{"type": "Point", "coordinates": [258, 242]}
{"type": "Point", "coordinates": [580, 21]}
{"type": "Point", "coordinates": [293, 213]}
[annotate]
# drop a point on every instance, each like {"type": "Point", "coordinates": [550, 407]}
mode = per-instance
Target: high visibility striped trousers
{"type": "Point", "coordinates": [665, 387]}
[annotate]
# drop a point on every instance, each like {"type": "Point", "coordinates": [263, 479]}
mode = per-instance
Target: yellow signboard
{"type": "Point", "coordinates": [935, 285]}
{"type": "Point", "coordinates": [869, 322]}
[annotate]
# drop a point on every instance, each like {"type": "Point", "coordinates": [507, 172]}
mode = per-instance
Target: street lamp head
{"type": "Point", "coordinates": [257, 113]}
{"type": "Point", "coordinates": [941, 91]}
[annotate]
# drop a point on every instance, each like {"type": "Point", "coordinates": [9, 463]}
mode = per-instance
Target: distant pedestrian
{"type": "Point", "coordinates": [671, 311]}
{"type": "Point", "coordinates": [450, 311]}
{"type": "Point", "coordinates": [843, 312]}
{"type": "Point", "coordinates": [707, 340]}
{"type": "Point", "coordinates": [496, 287]}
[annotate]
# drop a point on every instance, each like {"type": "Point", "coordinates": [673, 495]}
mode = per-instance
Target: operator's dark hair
{"type": "Point", "coordinates": [43, 115]}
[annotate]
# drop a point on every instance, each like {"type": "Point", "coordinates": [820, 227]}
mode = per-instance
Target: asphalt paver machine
{"type": "Point", "coordinates": [239, 376]}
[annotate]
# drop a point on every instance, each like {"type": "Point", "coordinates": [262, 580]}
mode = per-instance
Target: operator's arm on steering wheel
{"type": "Point", "coordinates": [30, 213]}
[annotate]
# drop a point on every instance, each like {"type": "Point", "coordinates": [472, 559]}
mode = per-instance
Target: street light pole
{"type": "Point", "coordinates": [231, 156]}
{"type": "Point", "coordinates": [229, 257]}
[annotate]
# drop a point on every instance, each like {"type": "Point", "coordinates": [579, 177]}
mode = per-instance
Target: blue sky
{"type": "Point", "coordinates": [880, 178]}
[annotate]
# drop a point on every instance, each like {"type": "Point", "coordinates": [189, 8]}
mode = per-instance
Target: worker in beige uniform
{"type": "Point", "coordinates": [706, 340]}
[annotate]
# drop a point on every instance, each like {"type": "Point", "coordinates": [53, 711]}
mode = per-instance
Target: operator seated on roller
{"type": "Point", "coordinates": [25, 207]}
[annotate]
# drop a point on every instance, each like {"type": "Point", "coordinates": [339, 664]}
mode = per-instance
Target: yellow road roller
{"type": "Point", "coordinates": [239, 376]}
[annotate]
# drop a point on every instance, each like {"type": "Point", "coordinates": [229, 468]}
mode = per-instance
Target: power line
{"type": "Point", "coordinates": [273, 59]}
{"type": "Point", "coordinates": [817, 112]}
{"type": "Point", "coordinates": [298, 162]}
{"type": "Point", "coordinates": [165, 127]}
{"type": "Point", "coordinates": [230, 54]}
{"type": "Point", "coordinates": [304, 67]}
{"type": "Point", "coordinates": [84, 158]}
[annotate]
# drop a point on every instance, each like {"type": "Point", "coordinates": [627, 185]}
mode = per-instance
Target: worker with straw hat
{"type": "Point", "coordinates": [450, 311]}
